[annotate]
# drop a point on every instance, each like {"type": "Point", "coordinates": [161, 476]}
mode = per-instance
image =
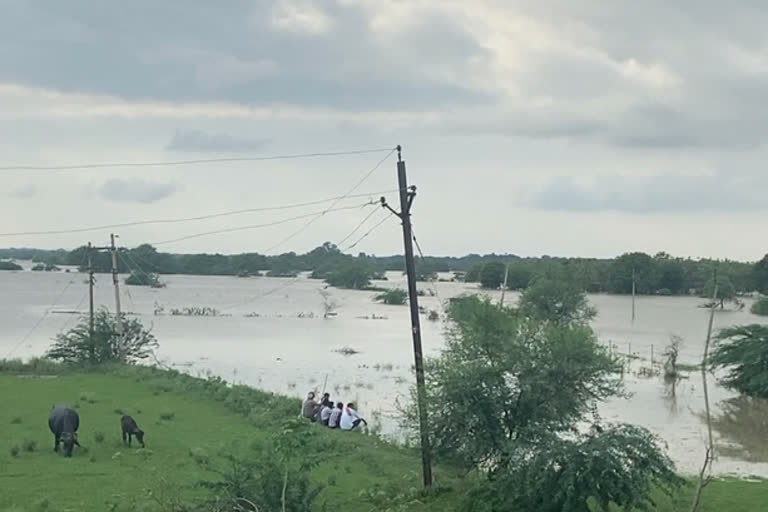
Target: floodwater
{"type": "Point", "coordinates": [276, 338]}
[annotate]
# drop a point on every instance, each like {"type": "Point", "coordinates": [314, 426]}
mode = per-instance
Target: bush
{"type": "Point", "coordinates": [492, 275]}
{"type": "Point", "coordinates": [760, 307]}
{"type": "Point", "coordinates": [396, 297]}
{"type": "Point", "coordinates": [9, 265]}
{"type": "Point", "coordinates": [144, 279]}
{"type": "Point", "coordinates": [75, 346]}
{"type": "Point", "coordinates": [29, 445]}
{"type": "Point", "coordinates": [352, 275]}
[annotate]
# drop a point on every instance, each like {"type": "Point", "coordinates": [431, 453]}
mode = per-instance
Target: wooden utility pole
{"type": "Point", "coordinates": [116, 282]}
{"type": "Point", "coordinates": [90, 304]}
{"type": "Point", "coordinates": [407, 195]}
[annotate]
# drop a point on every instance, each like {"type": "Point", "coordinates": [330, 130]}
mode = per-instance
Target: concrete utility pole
{"type": "Point", "coordinates": [407, 195]}
{"type": "Point", "coordinates": [504, 286]}
{"type": "Point", "coordinates": [90, 303]}
{"type": "Point", "coordinates": [116, 282]}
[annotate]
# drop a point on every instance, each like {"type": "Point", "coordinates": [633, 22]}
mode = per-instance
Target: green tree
{"type": "Point", "coordinates": [76, 346]}
{"type": "Point", "coordinates": [760, 275]}
{"type": "Point", "coordinates": [644, 269]}
{"type": "Point", "coordinates": [725, 290]}
{"type": "Point", "coordinates": [743, 352]}
{"type": "Point", "coordinates": [559, 301]}
{"type": "Point", "coordinates": [396, 297]}
{"type": "Point", "coordinates": [492, 275]}
{"type": "Point", "coordinates": [9, 265]}
{"type": "Point", "coordinates": [354, 275]}
{"type": "Point", "coordinates": [505, 396]}
{"type": "Point", "coordinates": [143, 279]}
{"type": "Point", "coordinates": [760, 307]}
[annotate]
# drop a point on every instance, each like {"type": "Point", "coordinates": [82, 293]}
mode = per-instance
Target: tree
{"type": "Point", "coordinates": [144, 279]}
{"type": "Point", "coordinates": [760, 275]}
{"type": "Point", "coordinates": [725, 290]}
{"type": "Point", "coordinates": [353, 275]}
{"type": "Point", "coordinates": [76, 346]}
{"type": "Point", "coordinates": [644, 269]}
{"type": "Point", "coordinates": [760, 307]}
{"type": "Point", "coordinates": [329, 305]}
{"type": "Point", "coordinates": [559, 301]}
{"type": "Point", "coordinates": [396, 297]}
{"type": "Point", "coordinates": [743, 352]}
{"type": "Point", "coordinates": [492, 275]}
{"type": "Point", "coordinates": [9, 265]}
{"type": "Point", "coordinates": [505, 397]}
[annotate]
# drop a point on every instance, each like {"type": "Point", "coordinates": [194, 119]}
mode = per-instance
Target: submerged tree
{"type": "Point", "coordinates": [559, 301]}
{"type": "Point", "coordinates": [76, 345]}
{"type": "Point", "coordinates": [505, 397]}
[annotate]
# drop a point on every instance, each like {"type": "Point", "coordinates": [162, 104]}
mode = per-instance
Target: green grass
{"type": "Point", "coordinates": [186, 418]}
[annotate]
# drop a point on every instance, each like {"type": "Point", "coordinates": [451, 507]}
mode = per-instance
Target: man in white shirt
{"type": "Point", "coordinates": [350, 419]}
{"type": "Point", "coordinates": [325, 413]}
{"type": "Point", "coordinates": [335, 418]}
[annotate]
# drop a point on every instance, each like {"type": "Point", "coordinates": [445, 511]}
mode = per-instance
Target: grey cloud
{"type": "Point", "coordinates": [200, 141]}
{"type": "Point", "coordinates": [662, 193]}
{"type": "Point", "coordinates": [136, 190]}
{"type": "Point", "coordinates": [24, 191]}
{"type": "Point", "coordinates": [199, 51]}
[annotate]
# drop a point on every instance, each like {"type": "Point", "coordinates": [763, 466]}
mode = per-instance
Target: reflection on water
{"type": "Point", "coordinates": [270, 340]}
{"type": "Point", "coordinates": [742, 426]}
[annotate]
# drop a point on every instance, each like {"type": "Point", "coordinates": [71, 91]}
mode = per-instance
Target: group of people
{"type": "Point", "coordinates": [329, 414]}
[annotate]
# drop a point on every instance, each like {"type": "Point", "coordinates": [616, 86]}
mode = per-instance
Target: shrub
{"type": "Point", "coordinates": [743, 352]}
{"type": "Point", "coordinates": [433, 315]}
{"type": "Point", "coordinates": [9, 265]}
{"type": "Point", "coordinates": [144, 279]}
{"type": "Point", "coordinates": [760, 307]}
{"type": "Point", "coordinates": [76, 346]}
{"type": "Point", "coordinates": [396, 297]}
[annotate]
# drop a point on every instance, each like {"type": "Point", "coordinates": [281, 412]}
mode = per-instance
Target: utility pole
{"type": "Point", "coordinates": [407, 195]}
{"type": "Point", "coordinates": [633, 295]}
{"type": "Point", "coordinates": [91, 341]}
{"type": "Point", "coordinates": [504, 288]}
{"type": "Point", "coordinates": [116, 282]}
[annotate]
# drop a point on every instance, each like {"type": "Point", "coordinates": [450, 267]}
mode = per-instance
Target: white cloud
{"type": "Point", "coordinates": [136, 190]}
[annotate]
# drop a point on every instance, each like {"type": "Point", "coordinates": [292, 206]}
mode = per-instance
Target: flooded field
{"type": "Point", "coordinates": [274, 336]}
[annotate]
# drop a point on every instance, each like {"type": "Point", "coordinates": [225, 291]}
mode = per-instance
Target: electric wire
{"type": "Point", "coordinates": [173, 163]}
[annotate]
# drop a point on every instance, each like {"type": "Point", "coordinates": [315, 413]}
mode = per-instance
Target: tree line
{"type": "Point", "coordinates": [660, 274]}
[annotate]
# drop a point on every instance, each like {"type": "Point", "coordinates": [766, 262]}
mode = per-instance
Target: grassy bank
{"type": "Point", "coordinates": [184, 417]}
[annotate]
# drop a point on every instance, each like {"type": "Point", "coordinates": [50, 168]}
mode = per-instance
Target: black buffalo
{"type": "Point", "coordinates": [64, 423]}
{"type": "Point", "coordinates": [130, 429]}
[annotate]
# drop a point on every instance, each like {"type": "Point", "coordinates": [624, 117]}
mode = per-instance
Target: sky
{"type": "Point", "coordinates": [587, 128]}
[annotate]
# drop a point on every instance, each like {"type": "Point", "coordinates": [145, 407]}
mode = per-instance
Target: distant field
{"type": "Point", "coordinates": [106, 472]}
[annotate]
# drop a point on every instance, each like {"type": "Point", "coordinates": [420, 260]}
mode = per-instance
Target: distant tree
{"type": "Point", "coordinates": [354, 275]}
{"type": "Point", "coordinates": [76, 346]}
{"type": "Point", "coordinates": [645, 272]}
{"type": "Point", "coordinates": [396, 297]}
{"type": "Point", "coordinates": [142, 279]}
{"type": "Point", "coordinates": [725, 290]}
{"type": "Point", "coordinates": [329, 305]}
{"type": "Point", "coordinates": [760, 275]}
{"type": "Point", "coordinates": [9, 265]}
{"type": "Point", "coordinates": [45, 267]}
{"type": "Point", "coordinates": [492, 275]}
{"type": "Point", "coordinates": [519, 276]}
{"type": "Point", "coordinates": [558, 301]}
{"type": "Point", "coordinates": [760, 307]}
{"type": "Point", "coordinates": [671, 274]}
{"type": "Point", "coordinates": [743, 352]}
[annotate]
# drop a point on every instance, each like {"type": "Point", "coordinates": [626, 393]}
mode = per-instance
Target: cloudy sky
{"type": "Point", "coordinates": [534, 127]}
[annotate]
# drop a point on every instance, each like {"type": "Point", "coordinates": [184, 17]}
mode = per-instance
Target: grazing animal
{"type": "Point", "coordinates": [64, 422]}
{"type": "Point", "coordinates": [130, 429]}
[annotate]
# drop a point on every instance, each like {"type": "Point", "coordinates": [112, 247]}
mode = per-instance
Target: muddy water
{"type": "Point", "coordinates": [285, 345]}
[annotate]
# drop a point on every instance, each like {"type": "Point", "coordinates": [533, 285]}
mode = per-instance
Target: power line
{"type": "Point", "coordinates": [382, 221]}
{"type": "Point", "coordinates": [188, 162]}
{"type": "Point", "coordinates": [40, 320]}
{"type": "Point", "coordinates": [350, 191]}
{"type": "Point", "coordinates": [261, 295]}
{"type": "Point", "coordinates": [256, 226]}
{"type": "Point", "coordinates": [192, 219]}
{"type": "Point", "coordinates": [431, 279]}
{"type": "Point", "coordinates": [365, 219]}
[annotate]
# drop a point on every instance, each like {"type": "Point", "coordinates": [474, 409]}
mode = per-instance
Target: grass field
{"type": "Point", "coordinates": [182, 415]}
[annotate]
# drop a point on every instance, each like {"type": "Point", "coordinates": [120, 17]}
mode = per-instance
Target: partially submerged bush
{"type": "Point", "coordinates": [395, 297]}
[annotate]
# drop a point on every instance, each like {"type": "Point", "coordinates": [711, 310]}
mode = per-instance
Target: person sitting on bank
{"type": "Point", "coordinates": [350, 419]}
{"type": "Point", "coordinates": [325, 413]}
{"type": "Point", "coordinates": [309, 407]}
{"type": "Point", "coordinates": [326, 400]}
{"type": "Point", "coordinates": [335, 419]}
